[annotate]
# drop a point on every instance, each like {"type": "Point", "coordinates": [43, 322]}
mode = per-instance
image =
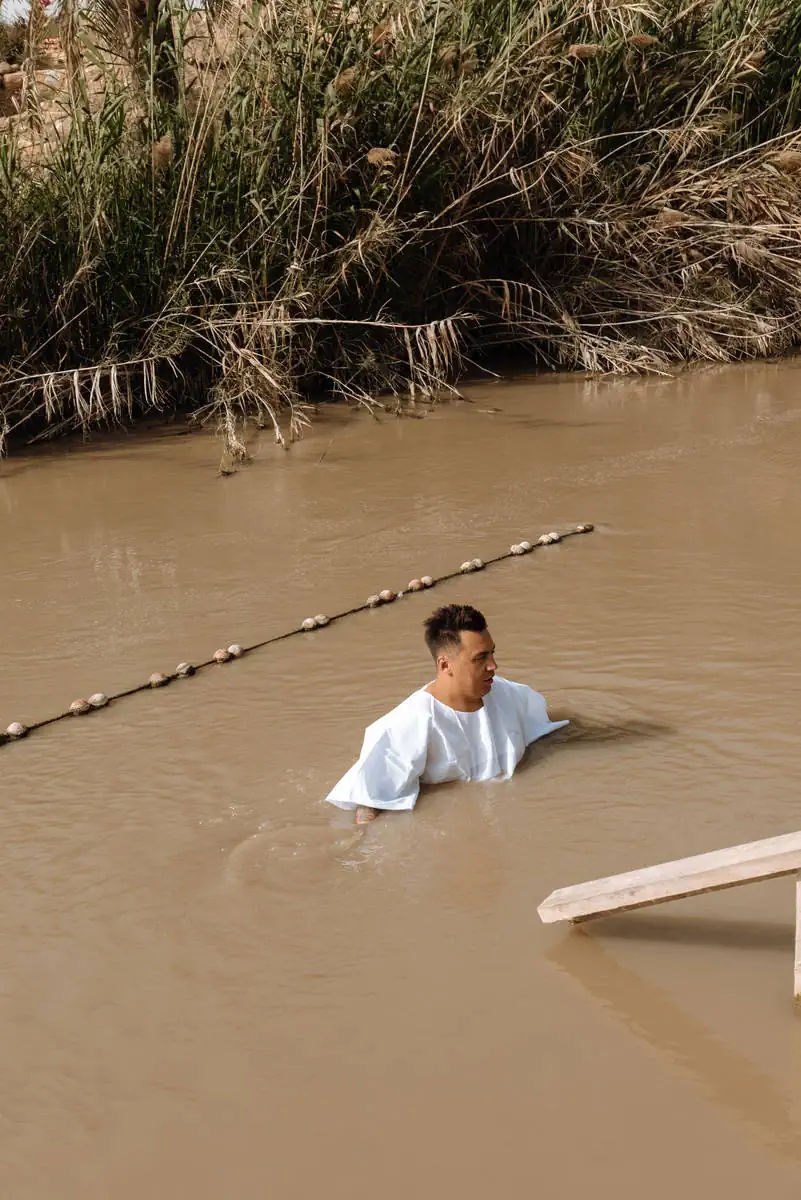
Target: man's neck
{"type": "Point", "coordinates": [440, 691]}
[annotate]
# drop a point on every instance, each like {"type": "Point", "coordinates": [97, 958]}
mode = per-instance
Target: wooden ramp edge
{"type": "Point", "coordinates": [749, 863]}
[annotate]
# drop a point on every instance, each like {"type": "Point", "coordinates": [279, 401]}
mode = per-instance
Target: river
{"type": "Point", "coordinates": [214, 986]}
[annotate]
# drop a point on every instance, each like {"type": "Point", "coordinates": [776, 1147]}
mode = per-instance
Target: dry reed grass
{"type": "Point", "coordinates": [360, 198]}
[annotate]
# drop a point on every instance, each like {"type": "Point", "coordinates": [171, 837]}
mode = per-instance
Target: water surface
{"type": "Point", "coordinates": [214, 987]}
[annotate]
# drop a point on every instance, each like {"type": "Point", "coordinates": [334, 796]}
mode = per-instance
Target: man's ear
{"type": "Point", "coordinates": [442, 662]}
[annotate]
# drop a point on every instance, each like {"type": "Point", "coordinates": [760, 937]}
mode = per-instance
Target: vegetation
{"type": "Point", "coordinates": [12, 41]}
{"type": "Point", "coordinates": [243, 207]}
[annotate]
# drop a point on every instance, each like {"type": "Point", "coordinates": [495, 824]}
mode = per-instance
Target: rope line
{"type": "Point", "coordinates": [17, 730]}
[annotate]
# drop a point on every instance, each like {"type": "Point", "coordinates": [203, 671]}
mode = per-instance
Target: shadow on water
{"type": "Point", "coordinates": [701, 931]}
{"type": "Point", "coordinates": [582, 730]}
{"type": "Point", "coordinates": [583, 733]}
{"type": "Point", "coordinates": [727, 1076]}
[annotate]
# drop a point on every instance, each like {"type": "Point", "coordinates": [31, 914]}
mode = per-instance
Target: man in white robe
{"type": "Point", "coordinates": [469, 723]}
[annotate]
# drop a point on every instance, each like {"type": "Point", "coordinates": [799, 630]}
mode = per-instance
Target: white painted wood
{"type": "Point", "coordinates": [797, 977]}
{"type": "Point", "coordinates": [748, 863]}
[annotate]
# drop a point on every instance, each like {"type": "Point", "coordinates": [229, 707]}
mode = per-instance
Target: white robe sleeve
{"type": "Point", "coordinates": [532, 711]}
{"type": "Point", "coordinates": [392, 760]}
{"type": "Point", "coordinates": [536, 721]}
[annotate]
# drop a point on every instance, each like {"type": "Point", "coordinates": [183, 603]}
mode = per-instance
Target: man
{"type": "Point", "coordinates": [469, 723]}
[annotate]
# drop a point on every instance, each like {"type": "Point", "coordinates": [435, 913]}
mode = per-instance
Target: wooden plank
{"type": "Point", "coordinates": [749, 863]}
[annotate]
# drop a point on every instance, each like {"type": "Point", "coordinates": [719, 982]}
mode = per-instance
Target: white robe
{"type": "Point", "coordinates": [426, 741]}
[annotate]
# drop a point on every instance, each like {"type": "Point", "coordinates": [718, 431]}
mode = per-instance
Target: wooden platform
{"type": "Point", "coordinates": [749, 863]}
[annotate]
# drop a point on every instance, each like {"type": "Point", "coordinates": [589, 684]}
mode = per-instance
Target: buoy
{"type": "Point", "coordinates": [544, 540]}
{"type": "Point", "coordinates": [478, 564]}
{"type": "Point", "coordinates": [221, 655]}
{"type": "Point", "coordinates": [387, 596]}
{"type": "Point", "coordinates": [98, 700]}
{"type": "Point", "coordinates": [516, 549]}
{"type": "Point", "coordinates": [427, 581]}
{"type": "Point", "coordinates": [321, 621]}
{"type": "Point", "coordinates": [236, 651]}
{"type": "Point", "coordinates": [373, 601]}
{"type": "Point", "coordinates": [587, 528]}
{"type": "Point", "coordinates": [184, 670]}
{"type": "Point", "coordinates": [416, 585]}
{"type": "Point", "coordinates": [526, 547]}
{"type": "Point", "coordinates": [467, 567]}
{"type": "Point", "coordinates": [17, 730]}
{"type": "Point", "coordinates": [555, 537]}
{"type": "Point", "coordinates": [79, 707]}
{"type": "Point", "coordinates": [157, 679]}
{"type": "Point", "coordinates": [309, 624]}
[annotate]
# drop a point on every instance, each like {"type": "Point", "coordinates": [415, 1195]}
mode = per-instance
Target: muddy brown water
{"type": "Point", "coordinates": [213, 987]}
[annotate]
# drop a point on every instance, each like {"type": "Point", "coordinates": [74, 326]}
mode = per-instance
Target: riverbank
{"type": "Point", "coordinates": [228, 218]}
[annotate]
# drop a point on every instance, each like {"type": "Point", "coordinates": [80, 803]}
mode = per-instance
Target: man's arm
{"type": "Point", "coordinates": [387, 774]}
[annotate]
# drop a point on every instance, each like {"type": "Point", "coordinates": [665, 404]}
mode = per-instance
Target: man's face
{"type": "Point", "coordinates": [473, 666]}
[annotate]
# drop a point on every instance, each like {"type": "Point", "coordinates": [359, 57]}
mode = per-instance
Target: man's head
{"type": "Point", "coordinates": [462, 648]}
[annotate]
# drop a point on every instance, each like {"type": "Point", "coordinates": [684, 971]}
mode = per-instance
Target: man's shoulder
{"type": "Point", "coordinates": [507, 691]}
{"type": "Point", "coordinates": [412, 706]}
{"type": "Point", "coordinates": [409, 712]}
{"type": "Point", "coordinates": [509, 686]}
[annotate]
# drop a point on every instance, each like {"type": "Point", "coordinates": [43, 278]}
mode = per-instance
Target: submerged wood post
{"type": "Point", "coordinates": [797, 977]}
{"type": "Point", "coordinates": [748, 863]}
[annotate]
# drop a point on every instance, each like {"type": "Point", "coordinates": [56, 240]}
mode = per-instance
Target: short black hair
{"type": "Point", "coordinates": [444, 627]}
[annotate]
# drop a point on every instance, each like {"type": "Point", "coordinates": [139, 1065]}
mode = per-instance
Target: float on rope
{"type": "Point", "coordinates": [17, 730]}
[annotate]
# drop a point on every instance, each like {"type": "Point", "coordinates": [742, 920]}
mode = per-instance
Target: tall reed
{"type": "Point", "coordinates": [238, 209]}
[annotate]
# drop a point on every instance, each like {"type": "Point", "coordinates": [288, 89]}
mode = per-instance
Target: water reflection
{"type": "Point", "coordinates": [728, 1077]}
